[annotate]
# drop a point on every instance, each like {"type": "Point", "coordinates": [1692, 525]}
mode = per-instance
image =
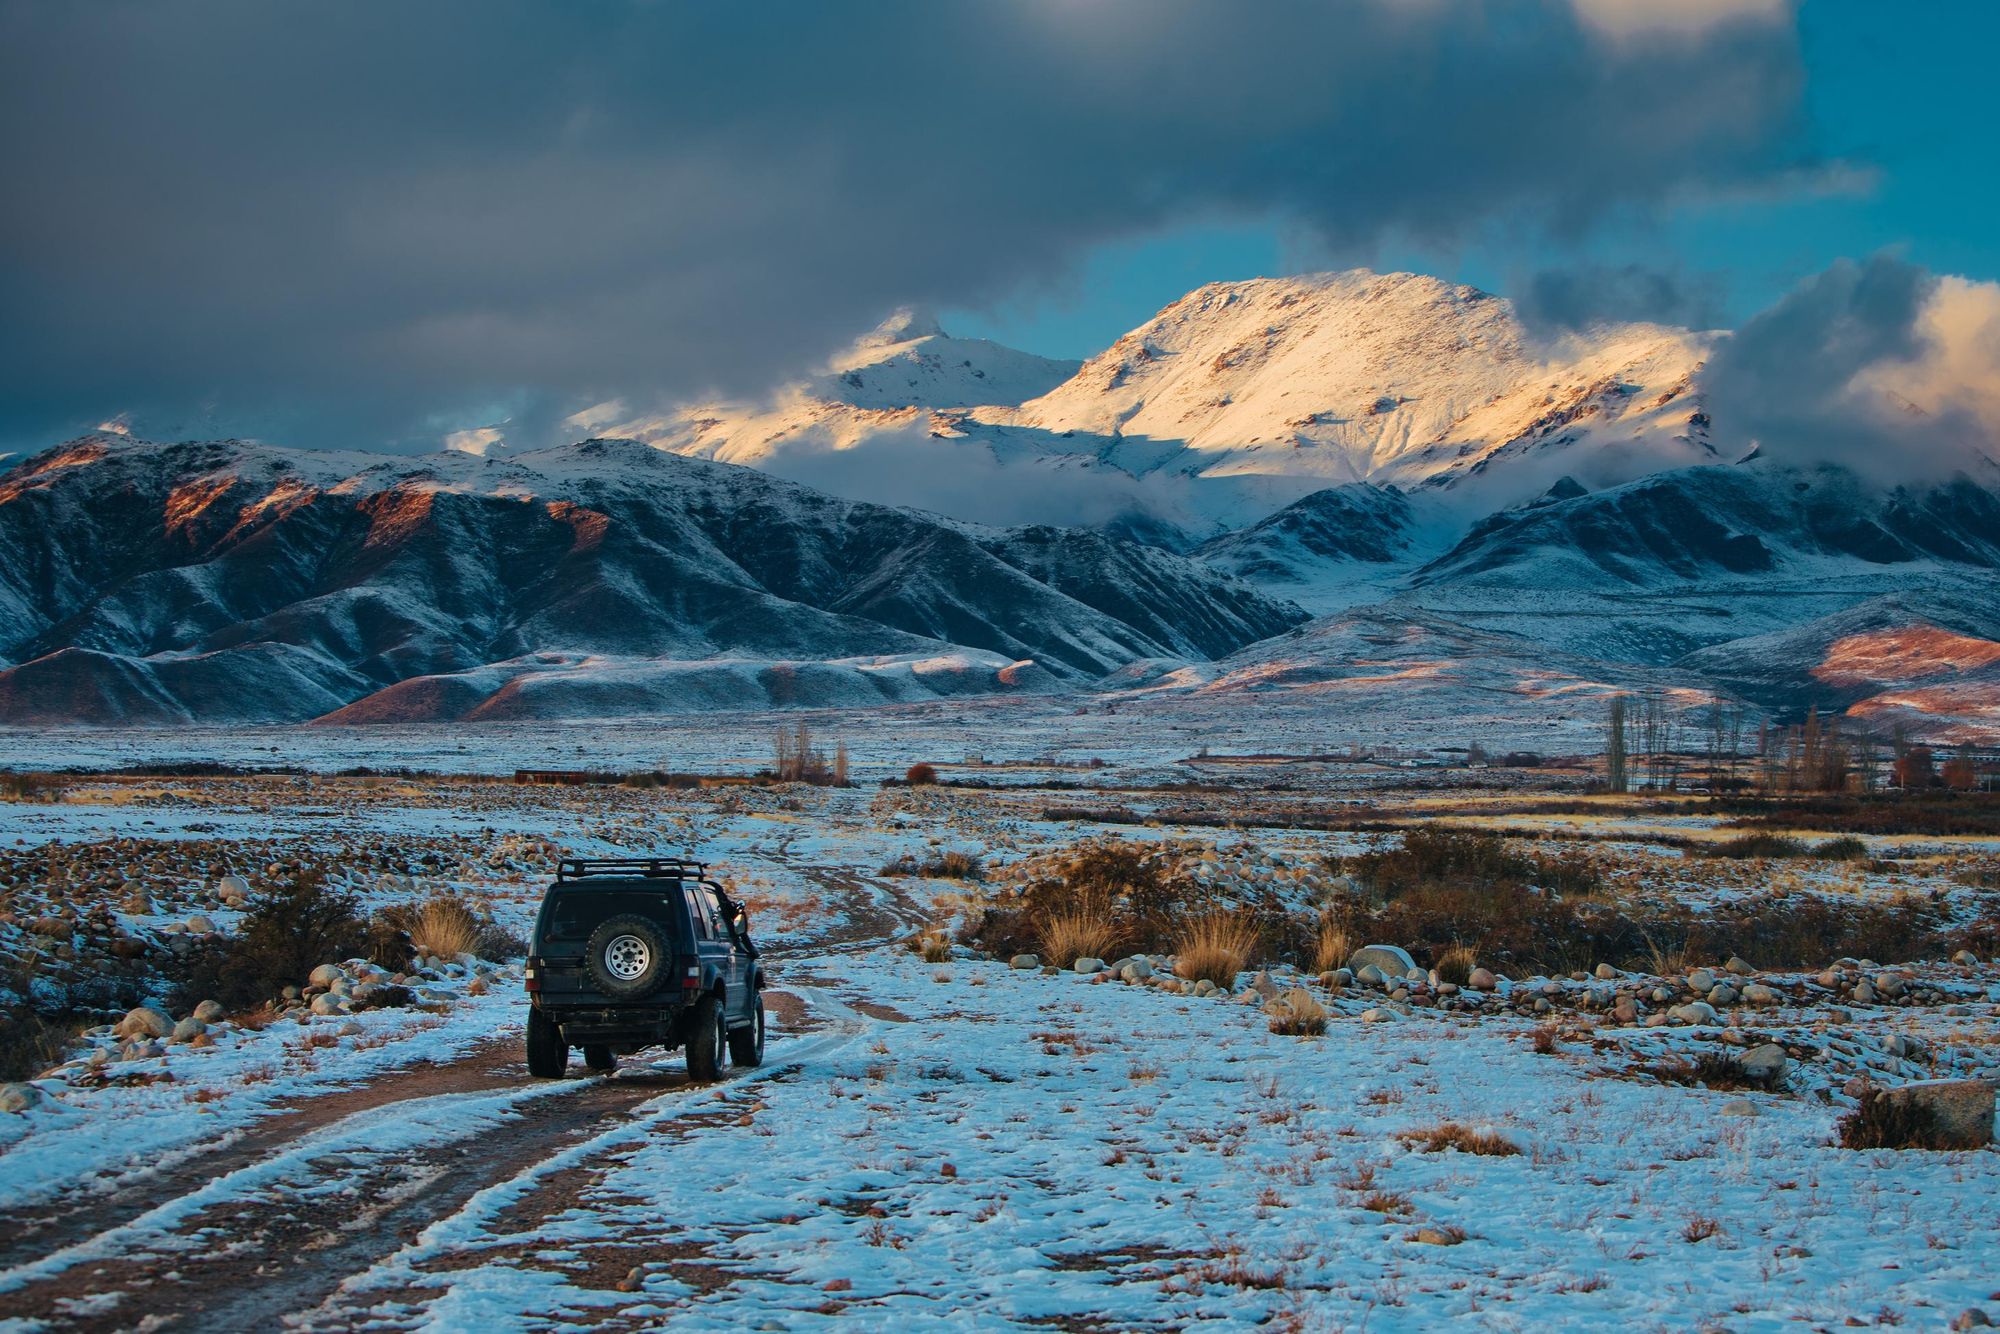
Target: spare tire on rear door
{"type": "Point", "coordinates": [628, 956]}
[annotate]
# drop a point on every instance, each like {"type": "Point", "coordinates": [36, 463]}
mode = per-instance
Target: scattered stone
{"type": "Point", "coordinates": [326, 975]}
{"type": "Point", "coordinates": [1966, 959]}
{"type": "Point", "coordinates": [1765, 1063]}
{"type": "Point", "coordinates": [1759, 994]}
{"type": "Point", "coordinates": [143, 1022]}
{"type": "Point", "coordinates": [1738, 1107]}
{"type": "Point", "coordinates": [1605, 972]}
{"type": "Point", "coordinates": [1739, 966]}
{"type": "Point", "coordinates": [1136, 971]}
{"type": "Point", "coordinates": [1701, 981]}
{"type": "Point", "coordinates": [188, 1029]}
{"type": "Point", "coordinates": [1088, 965]}
{"type": "Point", "coordinates": [1696, 1012]}
{"type": "Point", "coordinates": [18, 1098]}
{"type": "Point", "coordinates": [1481, 979]}
{"type": "Point", "coordinates": [209, 1011]}
{"type": "Point", "coordinates": [1391, 960]}
{"type": "Point", "coordinates": [1971, 1318]}
{"type": "Point", "coordinates": [1378, 1016]}
{"type": "Point", "coordinates": [1024, 962]}
{"type": "Point", "coordinates": [1961, 1109]}
{"type": "Point", "coordinates": [201, 925]}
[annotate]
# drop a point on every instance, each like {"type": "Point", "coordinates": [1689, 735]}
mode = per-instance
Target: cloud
{"type": "Point", "coordinates": [348, 223]}
{"type": "Point", "coordinates": [1879, 366]}
{"type": "Point", "coordinates": [1557, 301]}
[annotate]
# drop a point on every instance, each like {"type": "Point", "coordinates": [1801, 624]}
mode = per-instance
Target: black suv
{"type": "Point", "coordinates": [642, 952]}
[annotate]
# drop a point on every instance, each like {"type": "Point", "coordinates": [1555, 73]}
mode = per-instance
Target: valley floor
{"type": "Point", "coordinates": [962, 1144]}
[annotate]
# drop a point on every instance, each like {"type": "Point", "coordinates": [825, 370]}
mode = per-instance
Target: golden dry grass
{"type": "Point", "coordinates": [1455, 1135]}
{"type": "Point", "coordinates": [1456, 964]}
{"type": "Point", "coordinates": [444, 926]}
{"type": "Point", "coordinates": [1332, 948]}
{"type": "Point", "coordinates": [1216, 947]}
{"type": "Point", "coordinates": [932, 946]}
{"type": "Point", "coordinates": [1080, 933]}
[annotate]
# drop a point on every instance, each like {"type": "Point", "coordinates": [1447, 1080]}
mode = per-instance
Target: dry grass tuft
{"type": "Point", "coordinates": [1332, 948]}
{"type": "Point", "coordinates": [1455, 1135]}
{"type": "Point", "coordinates": [1879, 1122]}
{"type": "Point", "coordinates": [445, 927]}
{"type": "Point", "coordinates": [932, 946]}
{"type": "Point", "coordinates": [1456, 964]}
{"type": "Point", "coordinates": [1296, 1014]}
{"type": "Point", "coordinates": [1216, 947]}
{"type": "Point", "coordinates": [1543, 1040]}
{"type": "Point", "coordinates": [1700, 1228]}
{"type": "Point", "coordinates": [1079, 933]}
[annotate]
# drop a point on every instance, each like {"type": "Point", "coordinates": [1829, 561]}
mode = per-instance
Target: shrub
{"type": "Point", "coordinates": [30, 1043]}
{"type": "Point", "coordinates": [288, 931]}
{"type": "Point", "coordinates": [1080, 933]}
{"type": "Point", "coordinates": [1463, 1138]}
{"type": "Point", "coordinates": [1750, 845]}
{"type": "Point", "coordinates": [1215, 947]}
{"type": "Point", "coordinates": [1881, 1122]}
{"type": "Point", "coordinates": [30, 787]}
{"type": "Point", "coordinates": [1428, 857]}
{"type": "Point", "coordinates": [1846, 848]}
{"type": "Point", "coordinates": [1296, 1014]}
{"type": "Point", "coordinates": [955, 865]}
{"type": "Point", "coordinates": [920, 775]}
{"type": "Point", "coordinates": [932, 946]}
{"type": "Point", "coordinates": [445, 927]}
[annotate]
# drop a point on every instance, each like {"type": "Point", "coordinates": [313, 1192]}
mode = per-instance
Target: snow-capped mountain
{"type": "Point", "coordinates": [227, 581]}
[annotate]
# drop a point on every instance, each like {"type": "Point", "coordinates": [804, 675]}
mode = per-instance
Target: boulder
{"type": "Point", "coordinates": [1739, 966]}
{"type": "Point", "coordinates": [1369, 975]}
{"type": "Point", "coordinates": [188, 1029]}
{"type": "Point", "coordinates": [1393, 960]}
{"type": "Point", "coordinates": [1764, 1063]}
{"type": "Point", "coordinates": [1136, 971]}
{"type": "Point", "coordinates": [1605, 972]}
{"type": "Point", "coordinates": [1695, 1012]}
{"type": "Point", "coordinates": [18, 1098]}
{"type": "Point", "coordinates": [201, 925]}
{"type": "Point", "coordinates": [325, 975]}
{"type": "Point", "coordinates": [1738, 1107]}
{"type": "Point", "coordinates": [1089, 965]}
{"type": "Point", "coordinates": [326, 1003]}
{"type": "Point", "coordinates": [1759, 994]}
{"type": "Point", "coordinates": [1024, 962]}
{"type": "Point", "coordinates": [208, 1011]}
{"type": "Point", "coordinates": [1961, 1109]}
{"type": "Point", "coordinates": [1701, 981]}
{"type": "Point", "coordinates": [143, 1022]}
{"type": "Point", "coordinates": [1378, 1016]}
{"type": "Point", "coordinates": [1481, 979]}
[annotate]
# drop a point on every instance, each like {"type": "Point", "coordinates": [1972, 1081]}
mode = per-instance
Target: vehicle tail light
{"type": "Point", "coordinates": [691, 980]}
{"type": "Point", "coordinates": [532, 980]}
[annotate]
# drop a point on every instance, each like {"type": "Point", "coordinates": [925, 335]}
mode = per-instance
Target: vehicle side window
{"type": "Point", "coordinates": [698, 914]}
{"type": "Point", "coordinates": [715, 924]}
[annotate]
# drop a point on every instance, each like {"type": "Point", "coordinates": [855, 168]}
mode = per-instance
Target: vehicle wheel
{"type": "Point", "coordinates": [746, 1044]}
{"type": "Point", "coordinates": [548, 1054]}
{"type": "Point", "coordinates": [599, 1058]}
{"type": "Point", "coordinates": [628, 957]}
{"type": "Point", "coordinates": [705, 1044]}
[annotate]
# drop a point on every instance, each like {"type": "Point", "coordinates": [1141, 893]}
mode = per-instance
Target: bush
{"type": "Point", "coordinates": [30, 1043]}
{"type": "Point", "coordinates": [1432, 857]}
{"type": "Point", "coordinates": [1463, 1138]}
{"type": "Point", "coordinates": [288, 932]}
{"type": "Point", "coordinates": [1216, 947]}
{"type": "Point", "coordinates": [1297, 1015]}
{"type": "Point", "coordinates": [443, 926]}
{"type": "Point", "coordinates": [1846, 848]}
{"type": "Point", "coordinates": [1332, 947]}
{"type": "Point", "coordinates": [1455, 965]}
{"type": "Point", "coordinates": [1750, 845]}
{"type": "Point", "coordinates": [30, 787]}
{"type": "Point", "coordinates": [1880, 1122]}
{"type": "Point", "coordinates": [920, 775]}
{"type": "Point", "coordinates": [932, 946]}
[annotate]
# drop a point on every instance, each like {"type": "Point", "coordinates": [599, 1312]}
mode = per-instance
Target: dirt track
{"type": "Point", "coordinates": [262, 1230]}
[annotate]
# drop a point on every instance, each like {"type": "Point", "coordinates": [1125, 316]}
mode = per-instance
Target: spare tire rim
{"type": "Point", "coordinates": [627, 958]}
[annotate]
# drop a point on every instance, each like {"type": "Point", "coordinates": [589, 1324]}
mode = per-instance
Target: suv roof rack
{"type": "Point", "coordinates": [645, 868]}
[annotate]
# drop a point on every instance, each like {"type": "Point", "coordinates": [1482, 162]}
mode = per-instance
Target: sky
{"type": "Point", "coordinates": [371, 224]}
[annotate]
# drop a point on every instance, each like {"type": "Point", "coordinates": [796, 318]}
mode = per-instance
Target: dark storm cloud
{"type": "Point", "coordinates": [1879, 366]}
{"type": "Point", "coordinates": [1557, 301]}
{"type": "Point", "coordinates": [350, 220]}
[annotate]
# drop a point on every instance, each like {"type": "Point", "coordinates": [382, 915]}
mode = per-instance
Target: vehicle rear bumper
{"type": "Point", "coordinates": [650, 1022]}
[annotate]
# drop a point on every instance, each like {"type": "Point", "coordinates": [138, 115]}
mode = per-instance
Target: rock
{"type": "Point", "coordinates": [1971, 1318]}
{"type": "Point", "coordinates": [1605, 972]}
{"type": "Point", "coordinates": [1262, 986]}
{"type": "Point", "coordinates": [1888, 984]}
{"type": "Point", "coordinates": [18, 1098]}
{"type": "Point", "coordinates": [1759, 994]}
{"type": "Point", "coordinates": [1370, 976]}
{"type": "Point", "coordinates": [1088, 965]}
{"type": "Point", "coordinates": [1379, 1016]}
{"type": "Point", "coordinates": [1695, 1012]}
{"type": "Point", "coordinates": [127, 947]}
{"type": "Point", "coordinates": [1739, 966]}
{"type": "Point", "coordinates": [1417, 975]}
{"type": "Point", "coordinates": [1205, 988]}
{"type": "Point", "coordinates": [1393, 960]}
{"type": "Point", "coordinates": [1738, 1107]}
{"type": "Point", "coordinates": [326, 975]}
{"type": "Point", "coordinates": [1966, 959]}
{"type": "Point", "coordinates": [1625, 1012]}
{"type": "Point", "coordinates": [1864, 994]}
{"type": "Point", "coordinates": [144, 1022]}
{"type": "Point", "coordinates": [1024, 962]}
{"type": "Point", "coordinates": [1481, 979]}
{"type": "Point", "coordinates": [1721, 995]}
{"type": "Point", "coordinates": [208, 1011]}
{"type": "Point", "coordinates": [200, 925]}
{"type": "Point", "coordinates": [188, 1029]}
{"type": "Point", "coordinates": [1340, 977]}
{"type": "Point", "coordinates": [1701, 981]}
{"type": "Point", "coordinates": [233, 887]}
{"type": "Point", "coordinates": [1432, 1236]}
{"type": "Point", "coordinates": [1961, 1109]}
{"type": "Point", "coordinates": [350, 1029]}
{"type": "Point", "coordinates": [1136, 971]}
{"type": "Point", "coordinates": [326, 1003]}
{"type": "Point", "coordinates": [1765, 1063]}
{"type": "Point", "coordinates": [51, 927]}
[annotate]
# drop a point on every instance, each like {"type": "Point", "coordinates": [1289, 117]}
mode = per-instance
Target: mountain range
{"type": "Point", "coordinates": [1393, 455]}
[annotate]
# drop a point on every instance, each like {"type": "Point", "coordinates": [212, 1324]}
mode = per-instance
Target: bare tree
{"type": "Point", "coordinates": [1615, 776]}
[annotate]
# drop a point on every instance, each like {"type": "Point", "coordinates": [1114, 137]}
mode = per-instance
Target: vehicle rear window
{"type": "Point", "coordinates": [572, 914]}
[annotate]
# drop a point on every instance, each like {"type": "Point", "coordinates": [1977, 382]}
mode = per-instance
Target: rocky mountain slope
{"type": "Point", "coordinates": [225, 581]}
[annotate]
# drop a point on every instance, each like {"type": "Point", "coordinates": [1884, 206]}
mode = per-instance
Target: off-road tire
{"type": "Point", "coordinates": [705, 1041]}
{"type": "Point", "coordinates": [599, 1058]}
{"type": "Point", "coordinates": [746, 1044]}
{"type": "Point", "coordinates": [628, 957]}
{"type": "Point", "coordinates": [548, 1054]}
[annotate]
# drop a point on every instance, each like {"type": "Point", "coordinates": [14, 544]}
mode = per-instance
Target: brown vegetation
{"type": "Point", "coordinates": [1881, 1122]}
{"type": "Point", "coordinates": [1216, 947]}
{"type": "Point", "coordinates": [1455, 1135]}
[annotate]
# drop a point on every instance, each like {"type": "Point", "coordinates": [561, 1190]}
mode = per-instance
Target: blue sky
{"type": "Point", "coordinates": [1903, 92]}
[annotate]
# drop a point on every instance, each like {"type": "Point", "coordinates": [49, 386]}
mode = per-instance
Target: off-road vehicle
{"type": "Point", "coordinates": [642, 952]}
